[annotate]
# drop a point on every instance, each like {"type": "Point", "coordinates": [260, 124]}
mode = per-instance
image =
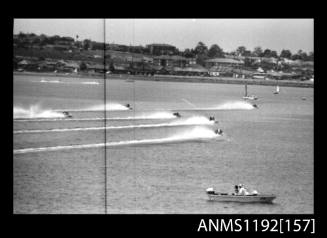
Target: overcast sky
{"type": "Point", "coordinates": [275, 34]}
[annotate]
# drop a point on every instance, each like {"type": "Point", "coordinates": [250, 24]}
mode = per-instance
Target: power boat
{"type": "Point", "coordinates": [176, 114]}
{"type": "Point", "coordinates": [66, 114]}
{"type": "Point", "coordinates": [248, 97]}
{"type": "Point", "coordinates": [255, 106]}
{"type": "Point", "coordinates": [128, 106]}
{"type": "Point", "coordinates": [212, 118]}
{"type": "Point", "coordinates": [219, 131]}
{"type": "Point", "coordinates": [251, 198]}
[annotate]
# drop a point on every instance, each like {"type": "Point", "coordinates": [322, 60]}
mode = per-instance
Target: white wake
{"type": "Point", "coordinates": [196, 134]}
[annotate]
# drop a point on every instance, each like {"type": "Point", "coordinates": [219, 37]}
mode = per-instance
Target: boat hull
{"type": "Point", "coordinates": [250, 98]}
{"type": "Point", "coordinates": [241, 198]}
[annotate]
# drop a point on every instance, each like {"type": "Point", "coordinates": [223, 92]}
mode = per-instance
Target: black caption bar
{"type": "Point", "coordinates": [256, 225]}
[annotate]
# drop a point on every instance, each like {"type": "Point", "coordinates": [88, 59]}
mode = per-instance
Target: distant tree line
{"type": "Point", "coordinates": [201, 52]}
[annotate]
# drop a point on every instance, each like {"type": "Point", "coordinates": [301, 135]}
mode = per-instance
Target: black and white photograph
{"type": "Point", "coordinates": [163, 116]}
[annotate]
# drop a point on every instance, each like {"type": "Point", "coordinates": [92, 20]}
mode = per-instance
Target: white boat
{"type": "Point", "coordinates": [248, 97]}
{"type": "Point", "coordinates": [258, 198]}
{"type": "Point", "coordinates": [253, 197]}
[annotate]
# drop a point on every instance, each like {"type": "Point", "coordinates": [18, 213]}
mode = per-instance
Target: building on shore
{"type": "Point", "coordinates": [223, 62]}
{"type": "Point", "coordinates": [174, 60]}
{"type": "Point", "coordinates": [161, 49]}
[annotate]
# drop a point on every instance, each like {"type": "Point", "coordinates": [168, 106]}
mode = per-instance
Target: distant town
{"type": "Point", "coordinates": [68, 55]}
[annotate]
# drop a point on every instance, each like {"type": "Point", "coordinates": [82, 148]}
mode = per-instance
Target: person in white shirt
{"type": "Point", "coordinates": [242, 190]}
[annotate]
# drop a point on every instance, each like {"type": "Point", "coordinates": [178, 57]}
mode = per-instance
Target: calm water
{"type": "Point", "coordinates": [149, 170]}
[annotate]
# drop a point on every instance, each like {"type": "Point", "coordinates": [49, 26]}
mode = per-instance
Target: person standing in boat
{"type": "Point", "coordinates": [236, 190]}
{"type": "Point", "coordinates": [242, 190]}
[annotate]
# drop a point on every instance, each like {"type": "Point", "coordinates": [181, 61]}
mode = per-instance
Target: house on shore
{"type": "Point", "coordinates": [226, 62]}
{"type": "Point", "coordinates": [174, 60]}
{"type": "Point", "coordinates": [192, 70]}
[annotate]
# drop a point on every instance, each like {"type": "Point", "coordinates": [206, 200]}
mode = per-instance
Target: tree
{"type": "Point", "coordinates": [257, 51]}
{"type": "Point", "coordinates": [240, 50]}
{"type": "Point", "coordinates": [21, 35]}
{"type": "Point", "coordinates": [86, 44]}
{"type": "Point", "coordinates": [300, 55]}
{"type": "Point", "coordinates": [188, 53]}
{"type": "Point", "coordinates": [200, 59]}
{"type": "Point", "coordinates": [311, 56]}
{"type": "Point", "coordinates": [215, 51]}
{"type": "Point", "coordinates": [111, 66]}
{"type": "Point", "coordinates": [201, 49]}
{"type": "Point", "coordinates": [83, 66]}
{"type": "Point", "coordinates": [249, 62]}
{"type": "Point", "coordinates": [285, 54]}
{"type": "Point", "coordinates": [267, 53]}
{"type": "Point", "coordinates": [274, 54]}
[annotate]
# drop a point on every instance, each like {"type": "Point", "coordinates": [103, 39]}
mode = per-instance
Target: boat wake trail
{"type": "Point", "coordinates": [196, 134]}
{"type": "Point", "coordinates": [100, 107]}
{"type": "Point", "coordinates": [50, 81]}
{"type": "Point", "coordinates": [182, 122]}
{"type": "Point", "coordinates": [237, 105]}
{"type": "Point", "coordinates": [91, 83]}
{"type": "Point", "coordinates": [35, 112]}
{"type": "Point", "coordinates": [62, 82]}
{"type": "Point", "coordinates": [152, 116]}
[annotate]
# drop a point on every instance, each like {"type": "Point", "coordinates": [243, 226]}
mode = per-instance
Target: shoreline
{"type": "Point", "coordinates": [175, 78]}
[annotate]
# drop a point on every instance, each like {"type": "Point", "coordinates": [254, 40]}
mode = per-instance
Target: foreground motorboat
{"type": "Point", "coordinates": [251, 198]}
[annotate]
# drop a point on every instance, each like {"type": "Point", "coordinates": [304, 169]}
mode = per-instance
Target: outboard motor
{"type": "Point", "coordinates": [177, 114]}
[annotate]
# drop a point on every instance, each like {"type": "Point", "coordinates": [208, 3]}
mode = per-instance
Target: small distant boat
{"type": "Point", "coordinates": [252, 198]}
{"type": "Point", "coordinates": [177, 114]}
{"type": "Point", "coordinates": [277, 90]}
{"type": "Point", "coordinates": [248, 97]}
{"type": "Point", "coordinates": [66, 114]}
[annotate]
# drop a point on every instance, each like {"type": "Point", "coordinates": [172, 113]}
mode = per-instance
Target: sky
{"type": "Point", "coordinates": [274, 34]}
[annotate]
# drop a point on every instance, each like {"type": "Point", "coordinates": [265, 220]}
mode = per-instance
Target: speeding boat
{"type": "Point", "coordinates": [176, 114]}
{"type": "Point", "coordinates": [212, 118]}
{"type": "Point", "coordinates": [251, 198]}
{"type": "Point", "coordinates": [248, 97]}
{"type": "Point", "coordinates": [255, 106]}
{"type": "Point", "coordinates": [219, 131]}
{"type": "Point", "coordinates": [66, 114]}
{"type": "Point", "coordinates": [128, 106]}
